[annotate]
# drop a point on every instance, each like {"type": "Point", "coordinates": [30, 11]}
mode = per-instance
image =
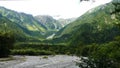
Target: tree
{"type": "Point", "coordinates": [6, 43]}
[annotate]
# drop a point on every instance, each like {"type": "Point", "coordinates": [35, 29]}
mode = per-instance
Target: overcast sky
{"type": "Point", "coordinates": [57, 8]}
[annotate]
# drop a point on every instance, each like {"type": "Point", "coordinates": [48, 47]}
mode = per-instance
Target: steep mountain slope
{"type": "Point", "coordinates": [27, 22]}
{"type": "Point", "coordinates": [52, 24]}
{"type": "Point", "coordinates": [7, 26]}
{"type": "Point", "coordinates": [95, 26]}
{"type": "Point", "coordinates": [49, 22]}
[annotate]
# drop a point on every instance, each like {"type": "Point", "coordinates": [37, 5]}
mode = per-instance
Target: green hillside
{"type": "Point", "coordinates": [95, 26]}
{"type": "Point", "coordinates": [27, 22]}
{"type": "Point", "coordinates": [7, 26]}
{"type": "Point", "coordinates": [52, 24]}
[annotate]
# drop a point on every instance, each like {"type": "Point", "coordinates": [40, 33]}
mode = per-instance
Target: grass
{"type": "Point", "coordinates": [7, 58]}
{"type": "Point", "coordinates": [10, 58]}
{"type": "Point", "coordinates": [32, 28]}
{"type": "Point", "coordinates": [45, 57]}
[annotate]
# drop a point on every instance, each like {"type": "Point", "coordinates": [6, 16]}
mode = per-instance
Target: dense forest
{"type": "Point", "coordinates": [95, 35]}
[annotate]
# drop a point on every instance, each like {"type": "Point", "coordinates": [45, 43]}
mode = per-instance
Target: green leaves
{"type": "Point", "coordinates": [6, 43]}
{"type": "Point", "coordinates": [101, 56]}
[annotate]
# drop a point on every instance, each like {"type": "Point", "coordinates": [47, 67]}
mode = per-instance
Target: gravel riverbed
{"type": "Point", "coordinates": [58, 61]}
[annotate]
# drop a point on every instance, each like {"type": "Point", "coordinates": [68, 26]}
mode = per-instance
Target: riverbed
{"type": "Point", "coordinates": [57, 61]}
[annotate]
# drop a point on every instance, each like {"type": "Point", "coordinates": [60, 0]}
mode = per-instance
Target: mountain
{"type": "Point", "coordinates": [49, 22]}
{"type": "Point", "coordinates": [52, 24]}
{"type": "Point", "coordinates": [65, 22]}
{"type": "Point", "coordinates": [26, 22]}
{"type": "Point", "coordinates": [39, 27]}
{"type": "Point", "coordinates": [95, 26]}
{"type": "Point", "coordinates": [7, 26]}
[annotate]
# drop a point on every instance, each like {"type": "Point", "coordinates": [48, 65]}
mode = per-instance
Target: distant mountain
{"type": "Point", "coordinates": [49, 22]}
{"type": "Point", "coordinates": [52, 24]}
{"type": "Point", "coordinates": [65, 22]}
{"type": "Point", "coordinates": [27, 22]}
{"type": "Point", "coordinates": [95, 26]}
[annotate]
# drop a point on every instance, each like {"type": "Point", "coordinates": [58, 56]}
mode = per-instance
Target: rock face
{"type": "Point", "coordinates": [49, 22]}
{"type": "Point", "coordinates": [59, 61]}
{"type": "Point", "coordinates": [52, 23]}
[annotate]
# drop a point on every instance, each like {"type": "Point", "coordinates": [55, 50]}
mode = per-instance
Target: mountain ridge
{"type": "Point", "coordinates": [96, 22]}
{"type": "Point", "coordinates": [49, 22]}
{"type": "Point", "coordinates": [40, 27]}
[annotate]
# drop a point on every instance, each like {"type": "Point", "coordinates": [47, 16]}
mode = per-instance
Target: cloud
{"type": "Point", "coordinates": [64, 8]}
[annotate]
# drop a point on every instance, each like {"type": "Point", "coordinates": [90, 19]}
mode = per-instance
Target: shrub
{"type": "Point", "coordinates": [45, 57]}
{"type": "Point", "coordinates": [102, 56]}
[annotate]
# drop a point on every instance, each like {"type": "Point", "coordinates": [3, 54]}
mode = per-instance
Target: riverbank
{"type": "Point", "coordinates": [57, 61]}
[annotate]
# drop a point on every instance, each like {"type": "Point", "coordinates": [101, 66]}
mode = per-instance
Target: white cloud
{"type": "Point", "coordinates": [64, 8]}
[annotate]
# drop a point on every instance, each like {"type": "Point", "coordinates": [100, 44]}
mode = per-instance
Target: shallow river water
{"type": "Point", "coordinates": [58, 61]}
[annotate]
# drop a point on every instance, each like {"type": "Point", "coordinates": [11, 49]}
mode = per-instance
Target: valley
{"type": "Point", "coordinates": [44, 42]}
{"type": "Point", "coordinates": [32, 28]}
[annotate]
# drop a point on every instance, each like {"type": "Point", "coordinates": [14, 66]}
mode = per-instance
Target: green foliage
{"type": "Point", "coordinates": [6, 59]}
{"type": "Point", "coordinates": [7, 36]}
{"type": "Point", "coordinates": [45, 57]}
{"type": "Point", "coordinates": [95, 26]}
{"type": "Point", "coordinates": [6, 43]}
{"type": "Point", "coordinates": [91, 35]}
{"type": "Point", "coordinates": [106, 55]}
{"type": "Point", "coordinates": [101, 56]}
{"type": "Point", "coordinates": [30, 51]}
{"type": "Point", "coordinates": [25, 25]}
{"type": "Point", "coordinates": [8, 26]}
{"type": "Point", "coordinates": [47, 48]}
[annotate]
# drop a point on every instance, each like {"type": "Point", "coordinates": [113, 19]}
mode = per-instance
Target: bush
{"type": "Point", "coordinates": [102, 56]}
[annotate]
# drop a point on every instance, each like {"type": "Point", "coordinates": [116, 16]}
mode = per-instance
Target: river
{"type": "Point", "coordinates": [58, 61]}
